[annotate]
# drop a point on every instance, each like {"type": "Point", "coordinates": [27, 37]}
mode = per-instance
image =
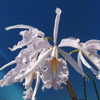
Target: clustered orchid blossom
{"type": "Point", "coordinates": [40, 61]}
{"type": "Point", "coordinates": [90, 51]}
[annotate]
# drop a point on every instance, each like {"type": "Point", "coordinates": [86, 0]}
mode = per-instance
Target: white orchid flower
{"type": "Point", "coordinates": [47, 66]}
{"type": "Point", "coordinates": [71, 42]}
{"type": "Point", "coordinates": [90, 51]}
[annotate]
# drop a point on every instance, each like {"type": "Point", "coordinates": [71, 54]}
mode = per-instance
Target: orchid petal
{"type": "Point", "coordinates": [92, 45]}
{"type": "Point", "coordinates": [86, 63]}
{"type": "Point", "coordinates": [24, 61]}
{"type": "Point", "coordinates": [9, 78]}
{"type": "Point", "coordinates": [61, 74]}
{"type": "Point", "coordinates": [27, 35]}
{"type": "Point", "coordinates": [90, 49]}
{"type": "Point", "coordinates": [98, 76]}
{"type": "Point", "coordinates": [40, 33]}
{"type": "Point", "coordinates": [37, 85]}
{"type": "Point", "coordinates": [28, 80]}
{"type": "Point", "coordinates": [37, 43]}
{"type": "Point", "coordinates": [26, 55]}
{"type": "Point", "coordinates": [36, 65]}
{"type": "Point", "coordinates": [70, 42]}
{"type": "Point", "coordinates": [57, 19]}
{"type": "Point", "coordinates": [43, 51]}
{"type": "Point", "coordinates": [28, 93]}
{"type": "Point", "coordinates": [8, 64]}
{"type": "Point", "coordinates": [19, 26]}
{"type": "Point", "coordinates": [41, 43]}
{"type": "Point", "coordinates": [28, 83]}
{"type": "Point", "coordinates": [95, 59]}
{"type": "Point", "coordinates": [79, 61]}
{"type": "Point", "coordinates": [71, 61]}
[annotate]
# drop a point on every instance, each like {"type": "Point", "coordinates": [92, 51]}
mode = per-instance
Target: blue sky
{"type": "Point", "coordinates": [79, 19]}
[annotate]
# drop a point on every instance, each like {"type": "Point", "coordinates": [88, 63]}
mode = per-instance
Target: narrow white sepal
{"type": "Point", "coordinates": [36, 86]}
{"type": "Point", "coordinates": [98, 76]}
{"type": "Point", "coordinates": [18, 26]}
{"type": "Point", "coordinates": [86, 63]}
{"type": "Point", "coordinates": [8, 64]}
{"type": "Point", "coordinates": [71, 61]}
{"type": "Point", "coordinates": [57, 19]}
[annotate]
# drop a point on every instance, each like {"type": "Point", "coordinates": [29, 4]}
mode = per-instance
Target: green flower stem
{"type": "Point", "coordinates": [93, 84]}
{"type": "Point", "coordinates": [77, 50]}
{"type": "Point", "coordinates": [85, 95]}
{"type": "Point", "coordinates": [48, 38]}
{"type": "Point", "coordinates": [70, 90]}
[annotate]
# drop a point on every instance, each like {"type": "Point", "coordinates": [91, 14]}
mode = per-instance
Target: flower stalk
{"type": "Point", "coordinates": [94, 84]}
{"type": "Point", "coordinates": [70, 90]}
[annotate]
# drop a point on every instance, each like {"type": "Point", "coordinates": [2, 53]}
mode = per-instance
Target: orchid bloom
{"type": "Point", "coordinates": [90, 51]}
{"type": "Point", "coordinates": [54, 50]}
{"type": "Point", "coordinates": [40, 60]}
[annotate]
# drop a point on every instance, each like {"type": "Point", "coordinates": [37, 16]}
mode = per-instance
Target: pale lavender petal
{"type": "Point", "coordinates": [24, 61]}
{"type": "Point", "coordinates": [26, 55]}
{"type": "Point", "coordinates": [27, 58]}
{"type": "Point", "coordinates": [29, 80]}
{"type": "Point", "coordinates": [48, 78]}
{"type": "Point", "coordinates": [42, 52]}
{"type": "Point", "coordinates": [90, 49]}
{"type": "Point", "coordinates": [36, 65]}
{"type": "Point", "coordinates": [9, 78]}
{"type": "Point", "coordinates": [92, 45]}
{"type": "Point", "coordinates": [57, 19]}
{"type": "Point", "coordinates": [95, 59]}
{"type": "Point", "coordinates": [41, 43]}
{"type": "Point", "coordinates": [28, 94]}
{"type": "Point", "coordinates": [70, 42]}
{"type": "Point", "coordinates": [71, 61]}
{"type": "Point", "coordinates": [28, 85]}
{"type": "Point", "coordinates": [98, 76]}
{"type": "Point", "coordinates": [86, 63]}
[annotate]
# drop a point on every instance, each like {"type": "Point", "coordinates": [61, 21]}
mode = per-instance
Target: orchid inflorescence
{"type": "Point", "coordinates": [40, 61]}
